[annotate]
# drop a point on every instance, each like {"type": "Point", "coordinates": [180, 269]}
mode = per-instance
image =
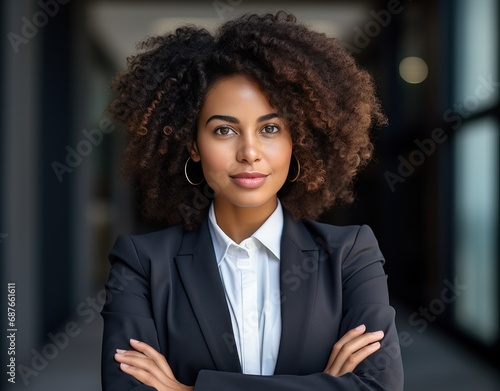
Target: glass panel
{"type": "Point", "coordinates": [476, 54]}
{"type": "Point", "coordinates": [476, 227]}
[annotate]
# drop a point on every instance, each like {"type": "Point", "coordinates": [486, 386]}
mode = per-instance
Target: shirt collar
{"type": "Point", "coordinates": [269, 234]}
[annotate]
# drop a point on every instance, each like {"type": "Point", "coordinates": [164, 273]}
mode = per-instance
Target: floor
{"type": "Point", "coordinates": [435, 362]}
{"type": "Point", "coordinates": [76, 368]}
{"type": "Point", "coordinates": [432, 361]}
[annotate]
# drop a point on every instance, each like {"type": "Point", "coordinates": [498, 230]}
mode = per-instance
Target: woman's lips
{"type": "Point", "coordinates": [249, 180]}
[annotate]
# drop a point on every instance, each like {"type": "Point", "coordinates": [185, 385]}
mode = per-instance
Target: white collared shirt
{"type": "Point", "coordinates": [250, 276]}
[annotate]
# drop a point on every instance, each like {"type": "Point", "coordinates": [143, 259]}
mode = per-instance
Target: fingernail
{"type": "Point", "coordinates": [134, 341]}
{"type": "Point", "coordinates": [120, 351]}
{"type": "Point", "coordinates": [123, 365]}
{"type": "Point", "coordinates": [378, 333]}
{"type": "Point", "coordinates": [360, 327]}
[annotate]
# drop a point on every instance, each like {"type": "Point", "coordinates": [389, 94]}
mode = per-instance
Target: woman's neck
{"type": "Point", "coordinates": [240, 223]}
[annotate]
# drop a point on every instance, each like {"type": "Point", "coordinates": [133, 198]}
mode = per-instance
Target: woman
{"type": "Point", "coordinates": [237, 141]}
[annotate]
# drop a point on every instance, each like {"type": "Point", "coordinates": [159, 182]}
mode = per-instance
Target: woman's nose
{"type": "Point", "coordinates": [248, 149]}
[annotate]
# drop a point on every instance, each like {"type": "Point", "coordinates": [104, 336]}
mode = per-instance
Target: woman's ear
{"type": "Point", "coordinates": [193, 151]}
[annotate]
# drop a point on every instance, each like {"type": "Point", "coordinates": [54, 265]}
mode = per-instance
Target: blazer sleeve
{"type": "Point", "coordinates": [365, 301]}
{"type": "Point", "coordinates": [126, 314]}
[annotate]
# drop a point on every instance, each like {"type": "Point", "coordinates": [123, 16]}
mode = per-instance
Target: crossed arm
{"type": "Point", "coordinates": [360, 359]}
{"type": "Point", "coordinates": [151, 368]}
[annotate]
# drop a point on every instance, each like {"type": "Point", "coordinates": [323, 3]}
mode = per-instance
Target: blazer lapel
{"type": "Point", "coordinates": [200, 275]}
{"type": "Point", "coordinates": [298, 281]}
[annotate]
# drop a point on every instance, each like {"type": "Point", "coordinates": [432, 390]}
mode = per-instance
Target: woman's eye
{"type": "Point", "coordinates": [224, 130]}
{"type": "Point", "coordinates": [269, 129]}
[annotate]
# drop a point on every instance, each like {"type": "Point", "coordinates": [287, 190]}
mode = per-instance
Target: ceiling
{"type": "Point", "coordinates": [119, 25]}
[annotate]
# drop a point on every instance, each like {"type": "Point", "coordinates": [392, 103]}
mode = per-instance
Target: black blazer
{"type": "Point", "coordinates": [165, 289]}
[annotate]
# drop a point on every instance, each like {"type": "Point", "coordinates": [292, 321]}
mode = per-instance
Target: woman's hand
{"type": "Point", "coordinates": [351, 349]}
{"type": "Point", "coordinates": [149, 367]}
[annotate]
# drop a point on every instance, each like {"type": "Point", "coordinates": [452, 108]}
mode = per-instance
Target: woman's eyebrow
{"type": "Point", "coordinates": [226, 118]}
{"type": "Point", "coordinates": [267, 117]}
{"type": "Point", "coordinates": [235, 120]}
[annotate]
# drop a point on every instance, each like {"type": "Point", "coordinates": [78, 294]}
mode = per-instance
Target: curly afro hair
{"type": "Point", "coordinates": [327, 100]}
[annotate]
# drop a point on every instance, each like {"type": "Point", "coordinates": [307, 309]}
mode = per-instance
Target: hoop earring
{"type": "Point", "coordinates": [186, 174]}
{"type": "Point", "coordinates": [298, 171]}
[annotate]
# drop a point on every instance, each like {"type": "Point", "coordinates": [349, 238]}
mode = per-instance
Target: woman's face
{"type": "Point", "coordinates": [243, 144]}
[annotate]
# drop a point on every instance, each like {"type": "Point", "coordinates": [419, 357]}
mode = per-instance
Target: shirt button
{"type": "Point", "coordinates": [249, 245]}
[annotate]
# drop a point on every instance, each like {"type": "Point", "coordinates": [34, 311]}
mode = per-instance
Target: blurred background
{"type": "Point", "coordinates": [431, 193]}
